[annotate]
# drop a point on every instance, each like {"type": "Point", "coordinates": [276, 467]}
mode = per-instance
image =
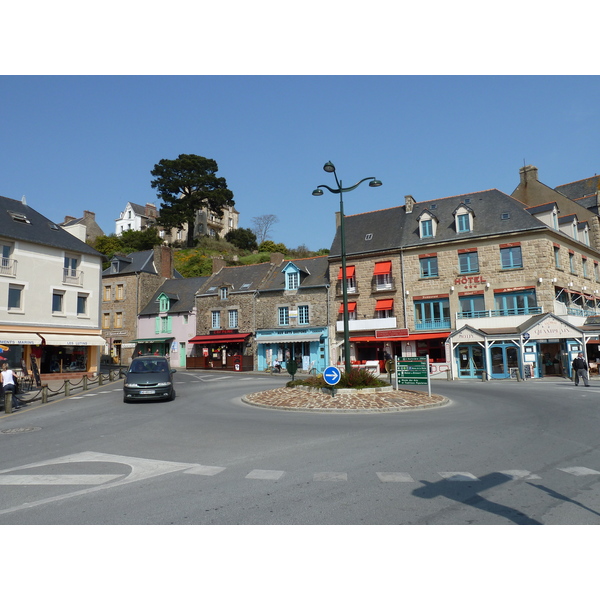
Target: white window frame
{"type": "Point", "coordinates": [216, 319]}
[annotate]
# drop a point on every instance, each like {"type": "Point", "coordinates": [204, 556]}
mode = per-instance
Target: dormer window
{"type": "Point", "coordinates": [463, 219]}
{"type": "Point", "coordinates": [223, 293]}
{"type": "Point", "coordinates": [427, 224]}
{"type": "Point", "coordinates": [164, 303]}
{"type": "Point", "coordinates": [292, 276]}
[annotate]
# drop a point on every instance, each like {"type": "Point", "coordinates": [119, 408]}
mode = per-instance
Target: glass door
{"type": "Point", "coordinates": [470, 361]}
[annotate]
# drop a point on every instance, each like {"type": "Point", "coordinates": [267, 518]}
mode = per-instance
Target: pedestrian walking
{"type": "Point", "coordinates": [580, 370]}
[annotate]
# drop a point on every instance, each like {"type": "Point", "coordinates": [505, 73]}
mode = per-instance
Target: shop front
{"type": "Point", "coordinates": [222, 350]}
{"type": "Point", "coordinates": [158, 345]}
{"type": "Point", "coordinates": [308, 347]}
{"type": "Point", "coordinates": [543, 346]}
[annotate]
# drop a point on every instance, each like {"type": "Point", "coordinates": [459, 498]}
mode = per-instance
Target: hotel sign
{"type": "Point", "coordinates": [553, 328]}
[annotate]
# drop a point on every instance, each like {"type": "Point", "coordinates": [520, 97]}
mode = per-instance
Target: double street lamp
{"type": "Point", "coordinates": [330, 168]}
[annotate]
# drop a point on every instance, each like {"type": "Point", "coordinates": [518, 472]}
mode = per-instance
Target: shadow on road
{"type": "Point", "coordinates": [555, 494]}
{"type": "Point", "coordinates": [468, 492]}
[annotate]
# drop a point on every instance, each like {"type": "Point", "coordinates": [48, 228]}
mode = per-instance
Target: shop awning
{"type": "Point", "coordinates": [349, 272]}
{"type": "Point", "coordinates": [383, 268]}
{"type": "Point", "coordinates": [24, 339]}
{"type": "Point", "coordinates": [276, 339]}
{"type": "Point", "coordinates": [219, 339]}
{"type": "Point", "coordinates": [413, 336]}
{"type": "Point", "coordinates": [384, 304]}
{"type": "Point", "coordinates": [351, 307]}
{"type": "Point", "coordinates": [62, 339]}
{"type": "Point", "coordinates": [152, 340]}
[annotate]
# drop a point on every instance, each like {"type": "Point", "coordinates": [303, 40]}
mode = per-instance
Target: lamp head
{"type": "Point", "coordinates": [375, 183]}
{"type": "Point", "coordinates": [328, 167]}
{"type": "Point", "coordinates": [317, 192]}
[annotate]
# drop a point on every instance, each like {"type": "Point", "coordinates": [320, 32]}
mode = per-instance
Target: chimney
{"type": "Point", "coordinates": [217, 264]}
{"type": "Point", "coordinates": [163, 261]}
{"type": "Point", "coordinates": [68, 218]}
{"type": "Point", "coordinates": [277, 258]}
{"type": "Point", "coordinates": [409, 203]}
{"type": "Point", "coordinates": [528, 173]}
{"type": "Point", "coordinates": [150, 210]}
{"type": "Point", "coordinates": [338, 220]}
{"type": "Point", "coordinates": [90, 214]}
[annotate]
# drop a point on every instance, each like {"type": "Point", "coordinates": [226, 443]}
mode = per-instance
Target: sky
{"type": "Point", "coordinates": [75, 143]}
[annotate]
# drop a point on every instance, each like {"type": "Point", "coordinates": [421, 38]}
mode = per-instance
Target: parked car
{"type": "Point", "coordinates": [149, 378]}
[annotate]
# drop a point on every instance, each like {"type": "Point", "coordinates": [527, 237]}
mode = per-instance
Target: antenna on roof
{"type": "Point", "coordinates": [24, 200]}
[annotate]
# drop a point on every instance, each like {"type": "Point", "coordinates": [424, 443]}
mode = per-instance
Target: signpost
{"type": "Point", "coordinates": [332, 375]}
{"type": "Point", "coordinates": [413, 370]}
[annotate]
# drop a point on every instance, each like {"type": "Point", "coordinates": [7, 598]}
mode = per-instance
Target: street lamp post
{"type": "Point", "coordinates": [330, 168]}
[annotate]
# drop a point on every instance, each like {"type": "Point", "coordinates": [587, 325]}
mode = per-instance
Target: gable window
{"type": "Point", "coordinates": [57, 301]}
{"type": "Point", "coordinates": [426, 228]}
{"type": "Point", "coordinates": [164, 303]}
{"type": "Point", "coordinates": [510, 257]}
{"type": "Point", "coordinates": [223, 293]}
{"type": "Point", "coordinates": [233, 318]}
{"type": "Point", "coordinates": [468, 262]}
{"type": "Point", "coordinates": [216, 319]}
{"type": "Point", "coordinates": [283, 315]}
{"type": "Point", "coordinates": [15, 297]}
{"type": "Point", "coordinates": [303, 315]}
{"type": "Point", "coordinates": [429, 266]}
{"type": "Point", "coordinates": [463, 223]}
{"type": "Point", "coordinates": [292, 280]}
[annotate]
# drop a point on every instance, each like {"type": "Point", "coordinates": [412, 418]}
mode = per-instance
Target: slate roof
{"type": "Point", "coordinates": [136, 262]}
{"type": "Point", "coordinates": [183, 291]}
{"type": "Point", "coordinates": [314, 273]}
{"type": "Point", "coordinates": [578, 190]}
{"type": "Point", "coordinates": [394, 228]}
{"type": "Point", "coordinates": [248, 276]}
{"type": "Point", "coordinates": [38, 230]}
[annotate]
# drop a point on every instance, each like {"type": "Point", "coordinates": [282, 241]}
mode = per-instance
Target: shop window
{"type": "Point", "coordinates": [511, 258]}
{"type": "Point", "coordinates": [15, 297]}
{"type": "Point", "coordinates": [233, 319]}
{"type": "Point", "coordinates": [468, 262]}
{"type": "Point", "coordinates": [303, 315]}
{"type": "Point", "coordinates": [429, 266]}
{"type": "Point", "coordinates": [283, 315]}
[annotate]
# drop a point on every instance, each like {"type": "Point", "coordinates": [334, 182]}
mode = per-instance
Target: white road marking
{"type": "Point", "coordinates": [516, 474]}
{"type": "Point", "coordinates": [205, 470]}
{"type": "Point", "coordinates": [577, 471]}
{"type": "Point", "coordinates": [394, 477]}
{"type": "Point", "coordinates": [330, 476]}
{"type": "Point", "coordinates": [458, 476]}
{"type": "Point", "coordinates": [82, 479]}
{"type": "Point", "coordinates": [263, 474]}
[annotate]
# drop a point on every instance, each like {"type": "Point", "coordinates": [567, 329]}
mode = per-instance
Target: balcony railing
{"type": "Point", "coordinates": [581, 312]}
{"type": "Point", "coordinates": [8, 266]}
{"type": "Point", "coordinates": [506, 312]}
{"type": "Point", "coordinates": [339, 292]}
{"type": "Point", "coordinates": [388, 286]}
{"type": "Point", "coordinates": [433, 324]}
{"type": "Point", "coordinates": [72, 276]}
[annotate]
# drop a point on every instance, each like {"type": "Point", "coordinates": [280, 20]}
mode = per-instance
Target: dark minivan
{"type": "Point", "coordinates": [149, 378]}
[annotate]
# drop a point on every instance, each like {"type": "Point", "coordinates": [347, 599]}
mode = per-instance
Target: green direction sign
{"type": "Point", "coordinates": [412, 370]}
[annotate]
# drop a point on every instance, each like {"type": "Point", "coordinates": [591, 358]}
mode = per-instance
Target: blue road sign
{"type": "Point", "coordinates": [332, 375]}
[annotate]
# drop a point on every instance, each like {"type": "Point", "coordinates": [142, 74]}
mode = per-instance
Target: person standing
{"type": "Point", "coordinates": [580, 369]}
{"type": "Point", "coordinates": [8, 385]}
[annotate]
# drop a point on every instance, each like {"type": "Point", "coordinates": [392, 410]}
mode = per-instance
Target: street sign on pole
{"type": "Point", "coordinates": [332, 375]}
{"type": "Point", "coordinates": [413, 370]}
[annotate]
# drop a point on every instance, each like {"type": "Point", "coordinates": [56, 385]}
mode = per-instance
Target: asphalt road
{"type": "Point", "coordinates": [500, 453]}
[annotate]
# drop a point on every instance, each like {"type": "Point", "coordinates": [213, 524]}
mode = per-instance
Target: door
{"type": "Point", "coordinates": [182, 354]}
{"type": "Point", "coordinates": [470, 361]}
{"type": "Point", "coordinates": [503, 358]}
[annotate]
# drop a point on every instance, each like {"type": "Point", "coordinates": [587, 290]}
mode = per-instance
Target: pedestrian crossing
{"type": "Point", "coordinates": [396, 477]}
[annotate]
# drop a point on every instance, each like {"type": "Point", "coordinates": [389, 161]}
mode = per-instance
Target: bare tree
{"type": "Point", "coordinates": [262, 226]}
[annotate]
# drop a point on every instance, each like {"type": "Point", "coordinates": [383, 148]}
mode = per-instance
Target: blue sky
{"type": "Point", "coordinates": [89, 142]}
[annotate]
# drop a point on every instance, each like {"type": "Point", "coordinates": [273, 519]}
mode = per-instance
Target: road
{"type": "Point", "coordinates": [500, 453]}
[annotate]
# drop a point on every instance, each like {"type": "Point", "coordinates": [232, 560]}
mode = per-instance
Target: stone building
{"type": "Point", "coordinates": [292, 320]}
{"type": "Point", "coordinates": [128, 284]}
{"type": "Point", "coordinates": [226, 316]}
{"type": "Point", "coordinates": [467, 279]}
{"type": "Point", "coordinates": [85, 228]}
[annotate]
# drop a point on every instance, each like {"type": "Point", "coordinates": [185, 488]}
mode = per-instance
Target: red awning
{"type": "Point", "coordinates": [384, 304]}
{"type": "Point", "coordinates": [351, 307]}
{"type": "Point", "coordinates": [219, 339]}
{"type": "Point", "coordinates": [383, 268]}
{"type": "Point", "coordinates": [414, 336]}
{"type": "Point", "coordinates": [349, 272]}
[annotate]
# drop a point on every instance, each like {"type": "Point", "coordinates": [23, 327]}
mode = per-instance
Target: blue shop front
{"type": "Point", "coordinates": [543, 346]}
{"type": "Point", "coordinates": [307, 346]}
